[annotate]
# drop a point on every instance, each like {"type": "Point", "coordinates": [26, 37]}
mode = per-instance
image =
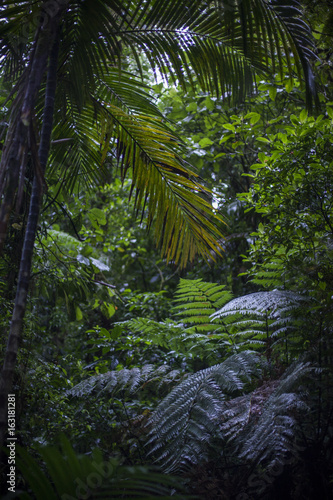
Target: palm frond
{"type": "Point", "coordinates": [176, 200]}
{"type": "Point", "coordinates": [220, 44]}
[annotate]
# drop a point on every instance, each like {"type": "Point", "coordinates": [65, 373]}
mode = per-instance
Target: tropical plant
{"type": "Point", "coordinates": [297, 202]}
{"type": "Point", "coordinates": [205, 407]}
{"type": "Point", "coordinates": [292, 248]}
{"type": "Point", "coordinates": [190, 334]}
{"type": "Point", "coordinates": [255, 422]}
{"type": "Point", "coordinates": [187, 418]}
{"type": "Point", "coordinates": [266, 320]}
{"type": "Point", "coordinates": [69, 475]}
{"type": "Point", "coordinates": [270, 322]}
{"type": "Point", "coordinates": [126, 381]}
{"type": "Point", "coordinates": [49, 47]}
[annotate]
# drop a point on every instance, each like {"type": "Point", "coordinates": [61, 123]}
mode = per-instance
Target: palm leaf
{"type": "Point", "coordinates": [163, 183]}
{"type": "Point", "coordinates": [221, 44]}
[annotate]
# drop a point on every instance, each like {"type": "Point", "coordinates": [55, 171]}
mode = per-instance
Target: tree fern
{"type": "Point", "coordinates": [262, 318]}
{"type": "Point", "coordinates": [191, 333]}
{"type": "Point", "coordinates": [270, 437]}
{"type": "Point", "coordinates": [261, 427]}
{"type": "Point", "coordinates": [188, 417]}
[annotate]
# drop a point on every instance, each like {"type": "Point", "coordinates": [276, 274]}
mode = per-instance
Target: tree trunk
{"type": "Point", "coordinates": [7, 375]}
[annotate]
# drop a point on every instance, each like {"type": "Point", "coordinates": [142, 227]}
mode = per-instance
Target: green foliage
{"type": "Point", "coordinates": [112, 117]}
{"type": "Point", "coordinates": [98, 367]}
{"type": "Point", "coordinates": [291, 188]}
{"type": "Point", "coordinates": [264, 431]}
{"type": "Point", "coordinates": [71, 270]}
{"type": "Point", "coordinates": [259, 427]}
{"type": "Point", "coordinates": [69, 475]}
{"type": "Point", "coordinates": [191, 335]}
{"type": "Point", "coordinates": [195, 301]}
{"type": "Point", "coordinates": [225, 142]}
{"type": "Point", "coordinates": [270, 322]}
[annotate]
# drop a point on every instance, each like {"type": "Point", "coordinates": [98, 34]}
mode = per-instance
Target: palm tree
{"type": "Point", "coordinates": [64, 60]}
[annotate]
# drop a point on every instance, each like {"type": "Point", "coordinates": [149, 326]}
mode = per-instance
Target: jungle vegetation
{"type": "Point", "coordinates": [166, 239]}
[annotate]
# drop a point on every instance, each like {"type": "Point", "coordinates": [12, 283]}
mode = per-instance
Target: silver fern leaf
{"type": "Point", "coordinates": [186, 420]}
{"type": "Point", "coordinates": [273, 304]}
{"type": "Point", "coordinates": [261, 317]}
{"type": "Point", "coordinates": [128, 380]}
{"type": "Point", "coordinates": [269, 419]}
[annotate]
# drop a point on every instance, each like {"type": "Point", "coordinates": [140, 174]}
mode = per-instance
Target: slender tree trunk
{"type": "Point", "coordinates": [16, 145]}
{"type": "Point", "coordinates": [7, 375]}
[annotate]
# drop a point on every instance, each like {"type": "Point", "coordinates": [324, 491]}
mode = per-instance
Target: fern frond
{"type": "Point", "coordinates": [270, 275]}
{"type": "Point", "coordinates": [272, 431]}
{"type": "Point", "coordinates": [274, 303]}
{"type": "Point", "coordinates": [261, 315]}
{"type": "Point", "coordinates": [197, 300]}
{"type": "Point", "coordinates": [187, 418]}
{"type": "Point", "coordinates": [129, 381]}
{"type": "Point", "coordinates": [193, 334]}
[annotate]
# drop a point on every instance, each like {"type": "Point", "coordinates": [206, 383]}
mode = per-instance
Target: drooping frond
{"type": "Point", "coordinates": [127, 381]}
{"type": "Point", "coordinates": [220, 44]}
{"type": "Point", "coordinates": [270, 430]}
{"type": "Point", "coordinates": [176, 200]}
{"type": "Point", "coordinates": [188, 417]}
{"type": "Point", "coordinates": [164, 184]}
